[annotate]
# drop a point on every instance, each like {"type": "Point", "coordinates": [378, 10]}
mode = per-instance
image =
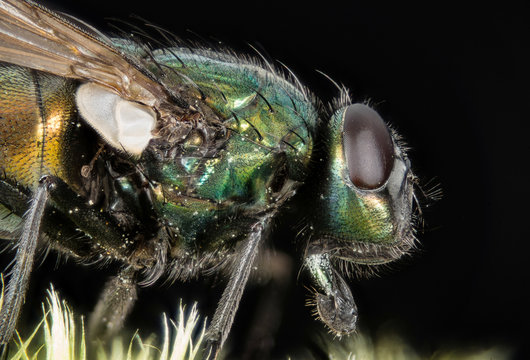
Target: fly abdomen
{"type": "Point", "coordinates": [37, 117]}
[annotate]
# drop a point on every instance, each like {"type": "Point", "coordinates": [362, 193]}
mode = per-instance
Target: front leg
{"type": "Point", "coordinates": [226, 310]}
{"type": "Point", "coordinates": [335, 307]}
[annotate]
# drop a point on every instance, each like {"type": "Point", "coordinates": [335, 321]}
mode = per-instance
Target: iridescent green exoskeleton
{"type": "Point", "coordinates": [177, 161]}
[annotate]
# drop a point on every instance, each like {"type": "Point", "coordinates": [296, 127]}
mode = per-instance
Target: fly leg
{"type": "Point", "coordinates": [115, 303]}
{"type": "Point", "coordinates": [226, 310]}
{"type": "Point", "coordinates": [119, 293]}
{"type": "Point", "coordinates": [335, 305]}
{"type": "Point", "coordinates": [60, 232]}
{"type": "Point", "coordinates": [89, 220]}
{"type": "Point", "coordinates": [23, 262]}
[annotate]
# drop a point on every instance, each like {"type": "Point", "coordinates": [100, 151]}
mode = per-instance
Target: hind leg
{"type": "Point", "coordinates": [115, 303]}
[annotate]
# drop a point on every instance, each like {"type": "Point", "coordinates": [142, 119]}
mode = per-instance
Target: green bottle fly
{"type": "Point", "coordinates": [177, 162]}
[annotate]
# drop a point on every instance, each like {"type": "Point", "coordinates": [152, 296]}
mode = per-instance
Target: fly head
{"type": "Point", "coordinates": [363, 214]}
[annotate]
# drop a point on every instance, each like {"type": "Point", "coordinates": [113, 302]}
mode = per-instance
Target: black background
{"type": "Point", "coordinates": [454, 82]}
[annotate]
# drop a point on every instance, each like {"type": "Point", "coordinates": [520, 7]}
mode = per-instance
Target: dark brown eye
{"type": "Point", "coordinates": [368, 147]}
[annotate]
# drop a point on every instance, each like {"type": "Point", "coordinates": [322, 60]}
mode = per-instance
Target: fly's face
{"type": "Point", "coordinates": [366, 197]}
{"type": "Point", "coordinates": [363, 211]}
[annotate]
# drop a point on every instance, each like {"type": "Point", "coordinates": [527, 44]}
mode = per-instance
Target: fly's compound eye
{"type": "Point", "coordinates": [368, 147]}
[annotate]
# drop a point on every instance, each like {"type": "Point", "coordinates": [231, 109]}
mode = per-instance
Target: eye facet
{"type": "Point", "coordinates": [368, 147]}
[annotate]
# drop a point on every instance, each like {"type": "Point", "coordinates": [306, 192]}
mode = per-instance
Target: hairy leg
{"type": "Point", "coordinates": [226, 310]}
{"type": "Point", "coordinates": [23, 262]}
{"type": "Point", "coordinates": [115, 303]}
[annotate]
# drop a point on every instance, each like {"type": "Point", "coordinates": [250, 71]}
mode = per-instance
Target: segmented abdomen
{"type": "Point", "coordinates": [36, 112]}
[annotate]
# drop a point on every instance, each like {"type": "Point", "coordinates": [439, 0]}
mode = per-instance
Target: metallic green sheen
{"type": "Point", "coordinates": [270, 128]}
{"type": "Point", "coordinates": [345, 212]}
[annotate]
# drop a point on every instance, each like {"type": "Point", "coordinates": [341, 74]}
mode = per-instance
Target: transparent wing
{"type": "Point", "coordinates": [35, 37]}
